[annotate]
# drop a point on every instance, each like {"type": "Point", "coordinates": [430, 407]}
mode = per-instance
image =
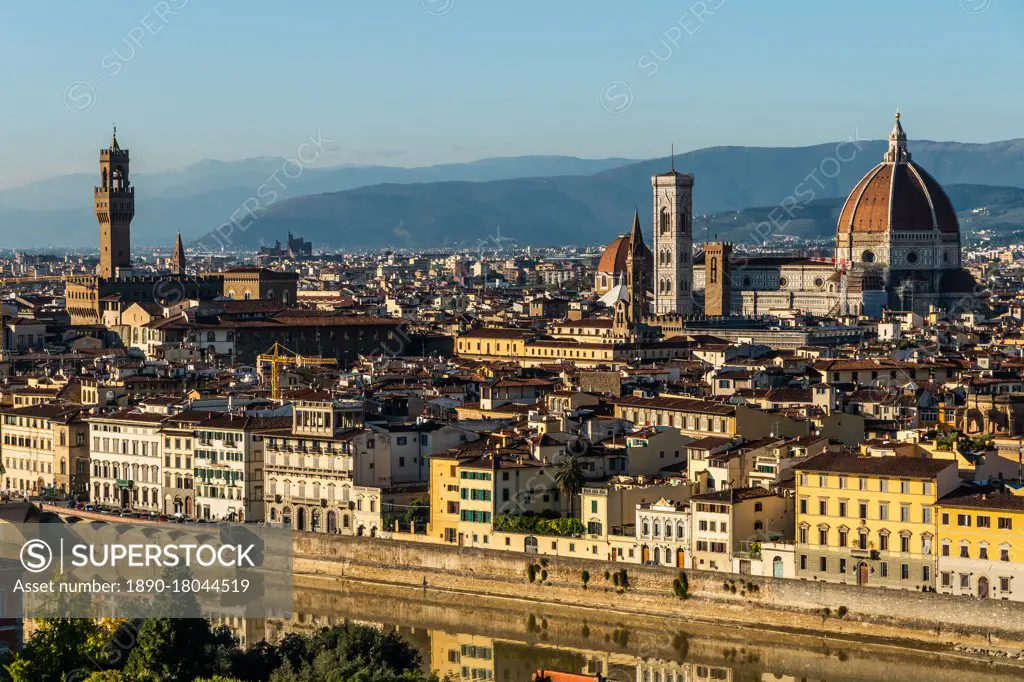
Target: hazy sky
{"type": "Point", "coordinates": [414, 82]}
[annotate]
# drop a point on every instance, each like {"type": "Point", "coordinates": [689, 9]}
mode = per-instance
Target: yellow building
{"type": "Point", "coordinates": [700, 418]}
{"type": "Point", "coordinates": [981, 543]}
{"type": "Point", "coordinates": [870, 520]}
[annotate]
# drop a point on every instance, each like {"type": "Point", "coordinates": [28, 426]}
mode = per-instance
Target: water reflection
{"type": "Point", "coordinates": [473, 638]}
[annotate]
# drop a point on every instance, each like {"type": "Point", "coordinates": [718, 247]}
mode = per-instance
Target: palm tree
{"type": "Point", "coordinates": [569, 478]}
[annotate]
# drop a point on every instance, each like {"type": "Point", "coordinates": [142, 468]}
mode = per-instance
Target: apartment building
{"type": "Point", "coordinates": [981, 542]}
{"type": "Point", "coordinates": [228, 466]}
{"type": "Point", "coordinates": [408, 447]}
{"type": "Point", "coordinates": [870, 520]}
{"type": "Point", "coordinates": [699, 418]}
{"type": "Point", "coordinates": [179, 434]}
{"type": "Point", "coordinates": [731, 523]}
{"type": "Point", "coordinates": [125, 457]}
{"type": "Point", "coordinates": [312, 470]}
{"type": "Point", "coordinates": [44, 449]}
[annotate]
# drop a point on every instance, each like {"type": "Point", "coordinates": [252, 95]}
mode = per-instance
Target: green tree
{"type": "Point", "coordinates": [569, 477]}
{"type": "Point", "coordinates": [60, 648]}
{"type": "Point", "coordinates": [349, 652]}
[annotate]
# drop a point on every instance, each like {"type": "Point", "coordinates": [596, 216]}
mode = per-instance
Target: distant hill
{"type": "Point", "coordinates": [594, 208]}
{"type": "Point", "coordinates": [58, 211]}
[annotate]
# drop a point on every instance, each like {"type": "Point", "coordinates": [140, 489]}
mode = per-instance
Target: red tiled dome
{"type": "Point", "coordinates": [898, 195]}
{"type": "Point", "coordinates": [614, 257]}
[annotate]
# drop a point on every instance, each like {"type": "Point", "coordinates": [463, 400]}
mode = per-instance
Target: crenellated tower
{"type": "Point", "coordinates": [114, 203]}
{"type": "Point", "coordinates": [673, 243]}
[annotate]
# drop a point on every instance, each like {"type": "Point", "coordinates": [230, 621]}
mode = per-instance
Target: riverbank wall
{"type": "Point", "coordinates": [778, 604]}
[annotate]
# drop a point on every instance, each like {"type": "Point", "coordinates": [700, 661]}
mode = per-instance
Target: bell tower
{"type": "Point", "coordinates": [114, 203]}
{"type": "Point", "coordinates": [673, 243]}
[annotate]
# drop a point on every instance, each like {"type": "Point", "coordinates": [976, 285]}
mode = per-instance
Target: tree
{"type": "Point", "coordinates": [61, 648]}
{"type": "Point", "coordinates": [569, 477]}
{"type": "Point", "coordinates": [349, 652]}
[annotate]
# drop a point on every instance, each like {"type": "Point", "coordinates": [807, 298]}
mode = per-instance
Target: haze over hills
{"type": "Point", "coordinates": [58, 211]}
{"type": "Point", "coordinates": [535, 200]}
{"type": "Point", "coordinates": [590, 209]}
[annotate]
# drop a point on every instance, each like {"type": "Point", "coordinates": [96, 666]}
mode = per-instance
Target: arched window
{"type": "Point", "coordinates": [714, 270]}
{"type": "Point", "coordinates": [270, 294]}
{"type": "Point", "coordinates": [666, 220]}
{"type": "Point", "coordinates": [211, 336]}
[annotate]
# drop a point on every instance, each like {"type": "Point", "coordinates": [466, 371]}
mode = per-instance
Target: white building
{"type": "Point", "coordinates": [663, 532]}
{"type": "Point", "coordinates": [125, 456]}
{"type": "Point", "coordinates": [311, 470]}
{"type": "Point", "coordinates": [228, 464]}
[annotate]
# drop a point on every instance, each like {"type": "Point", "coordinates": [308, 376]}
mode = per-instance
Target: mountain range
{"type": "Point", "coordinates": [529, 200]}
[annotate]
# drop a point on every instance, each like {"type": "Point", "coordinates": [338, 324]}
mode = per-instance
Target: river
{"type": "Point", "coordinates": [484, 638]}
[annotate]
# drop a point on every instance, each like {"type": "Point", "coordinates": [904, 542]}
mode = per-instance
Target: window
{"type": "Point", "coordinates": [946, 579]}
{"type": "Point", "coordinates": [803, 505]}
{"type": "Point", "coordinates": [945, 519]}
{"type": "Point", "coordinates": [905, 487]}
{"type": "Point", "coordinates": [905, 513]}
{"type": "Point", "coordinates": [402, 440]}
{"type": "Point", "coordinates": [983, 552]}
{"type": "Point", "coordinates": [883, 542]}
{"type": "Point", "coordinates": [965, 551]}
{"type": "Point", "coordinates": [904, 543]}
{"type": "Point", "coordinates": [803, 562]}
{"type": "Point", "coordinates": [883, 569]}
{"type": "Point", "coordinates": [945, 549]}
{"type": "Point", "coordinates": [926, 514]}
{"type": "Point", "coordinates": [822, 507]}
{"type": "Point", "coordinates": [1005, 523]}
{"type": "Point", "coordinates": [842, 509]}
{"type": "Point", "coordinates": [883, 485]}
{"type": "Point", "coordinates": [883, 511]}
{"type": "Point", "coordinates": [963, 520]}
{"type": "Point", "coordinates": [965, 581]}
{"type": "Point", "coordinates": [843, 536]}
{"type": "Point", "coordinates": [984, 522]}
{"type": "Point", "coordinates": [1004, 553]}
{"type": "Point", "coordinates": [863, 483]}
{"type": "Point", "coordinates": [926, 573]}
{"type": "Point", "coordinates": [822, 564]}
{"type": "Point", "coordinates": [904, 571]}
{"type": "Point", "coordinates": [863, 510]}
{"type": "Point", "coordinates": [822, 536]}
{"type": "Point", "coordinates": [593, 506]}
{"type": "Point", "coordinates": [822, 481]}
{"type": "Point", "coordinates": [803, 535]}
{"type": "Point", "coordinates": [1004, 584]}
{"type": "Point", "coordinates": [842, 565]}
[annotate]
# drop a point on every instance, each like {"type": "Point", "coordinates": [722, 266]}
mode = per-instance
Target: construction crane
{"type": "Point", "coordinates": [278, 356]}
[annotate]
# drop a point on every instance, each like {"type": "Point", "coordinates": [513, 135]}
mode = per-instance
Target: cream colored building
{"type": "Point", "coordinates": [126, 460]}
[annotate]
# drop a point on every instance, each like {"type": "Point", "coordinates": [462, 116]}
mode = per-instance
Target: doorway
{"type": "Point", "coordinates": [862, 573]}
{"type": "Point", "coordinates": [983, 587]}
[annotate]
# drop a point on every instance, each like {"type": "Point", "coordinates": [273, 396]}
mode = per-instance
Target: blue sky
{"type": "Point", "coordinates": [414, 82]}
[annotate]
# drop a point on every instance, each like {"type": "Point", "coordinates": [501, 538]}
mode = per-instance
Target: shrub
{"type": "Point", "coordinates": [543, 576]}
{"type": "Point", "coordinates": [842, 611]}
{"type": "Point", "coordinates": [725, 586]}
{"type": "Point", "coordinates": [681, 586]}
{"type": "Point", "coordinates": [585, 577]}
{"type": "Point", "coordinates": [623, 579]}
{"type": "Point", "coordinates": [607, 575]}
{"type": "Point", "coordinates": [615, 578]}
{"type": "Point", "coordinates": [732, 588]}
{"type": "Point", "coordinates": [825, 613]}
{"type": "Point", "coordinates": [531, 572]}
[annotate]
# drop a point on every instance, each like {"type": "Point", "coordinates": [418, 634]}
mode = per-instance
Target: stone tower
{"type": "Point", "coordinates": [114, 202]}
{"type": "Point", "coordinates": [178, 262]}
{"type": "Point", "coordinates": [673, 243]}
{"type": "Point", "coordinates": [636, 284]}
{"type": "Point", "coordinates": [717, 279]}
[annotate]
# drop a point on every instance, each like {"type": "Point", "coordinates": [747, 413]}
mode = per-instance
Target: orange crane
{"type": "Point", "coordinates": [278, 356]}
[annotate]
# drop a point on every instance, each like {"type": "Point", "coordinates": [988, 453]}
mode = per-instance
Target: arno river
{"type": "Point", "coordinates": [472, 638]}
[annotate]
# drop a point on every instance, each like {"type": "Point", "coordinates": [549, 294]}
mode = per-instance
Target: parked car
{"type": "Point", "coordinates": [90, 508]}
